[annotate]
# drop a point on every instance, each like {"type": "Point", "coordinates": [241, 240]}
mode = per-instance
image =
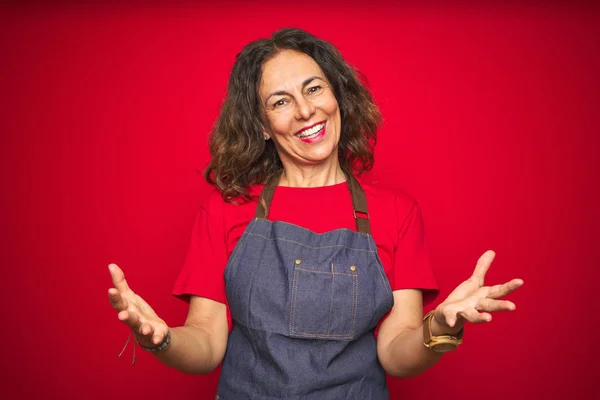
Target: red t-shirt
{"type": "Point", "coordinates": [396, 226]}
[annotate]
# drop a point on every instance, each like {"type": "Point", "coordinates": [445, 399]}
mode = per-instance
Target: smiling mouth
{"type": "Point", "coordinates": [311, 132]}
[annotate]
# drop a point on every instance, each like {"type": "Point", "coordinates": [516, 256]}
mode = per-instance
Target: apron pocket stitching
{"type": "Point", "coordinates": [306, 278]}
{"type": "Point", "coordinates": [336, 246]}
{"type": "Point", "coordinates": [331, 300]}
{"type": "Point", "coordinates": [293, 302]}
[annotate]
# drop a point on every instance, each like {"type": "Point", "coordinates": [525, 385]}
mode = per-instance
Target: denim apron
{"type": "Point", "coordinates": [304, 307]}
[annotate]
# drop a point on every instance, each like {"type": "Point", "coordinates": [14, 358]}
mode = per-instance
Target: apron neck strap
{"type": "Point", "coordinates": [359, 202]}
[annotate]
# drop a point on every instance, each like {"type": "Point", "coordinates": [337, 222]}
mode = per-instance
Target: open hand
{"type": "Point", "coordinates": [147, 327]}
{"type": "Point", "coordinates": [472, 301]}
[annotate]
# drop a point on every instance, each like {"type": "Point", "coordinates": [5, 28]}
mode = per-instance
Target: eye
{"type": "Point", "coordinates": [279, 103]}
{"type": "Point", "coordinates": [314, 89]}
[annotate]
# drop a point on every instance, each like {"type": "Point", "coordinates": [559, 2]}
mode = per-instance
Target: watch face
{"type": "Point", "coordinates": [443, 347]}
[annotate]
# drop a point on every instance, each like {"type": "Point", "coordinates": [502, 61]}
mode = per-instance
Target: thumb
{"type": "Point", "coordinates": [483, 265]}
{"type": "Point", "coordinates": [118, 278]}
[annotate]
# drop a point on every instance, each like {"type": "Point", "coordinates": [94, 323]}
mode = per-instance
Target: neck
{"type": "Point", "coordinates": [312, 176]}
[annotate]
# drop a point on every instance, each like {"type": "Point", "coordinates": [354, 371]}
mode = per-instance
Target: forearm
{"type": "Point", "coordinates": [406, 355]}
{"type": "Point", "coordinates": [191, 351]}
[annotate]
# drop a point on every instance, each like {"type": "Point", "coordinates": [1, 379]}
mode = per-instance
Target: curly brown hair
{"type": "Point", "coordinates": [240, 155]}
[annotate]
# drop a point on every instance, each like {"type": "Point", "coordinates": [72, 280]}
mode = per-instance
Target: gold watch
{"type": "Point", "coordinates": [443, 343]}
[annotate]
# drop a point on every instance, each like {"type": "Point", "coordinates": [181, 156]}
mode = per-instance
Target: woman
{"type": "Point", "coordinates": [313, 260]}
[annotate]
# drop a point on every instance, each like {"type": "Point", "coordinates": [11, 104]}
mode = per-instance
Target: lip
{"type": "Point", "coordinates": [317, 138]}
{"type": "Point", "coordinates": [308, 127]}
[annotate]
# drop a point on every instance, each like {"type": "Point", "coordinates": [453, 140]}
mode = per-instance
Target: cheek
{"type": "Point", "coordinates": [330, 105]}
{"type": "Point", "coordinates": [275, 122]}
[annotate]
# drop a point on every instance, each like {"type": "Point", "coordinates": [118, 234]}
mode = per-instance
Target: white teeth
{"type": "Point", "coordinates": [311, 132]}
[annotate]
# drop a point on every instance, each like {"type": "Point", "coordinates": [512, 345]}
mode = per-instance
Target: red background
{"type": "Point", "coordinates": [491, 121]}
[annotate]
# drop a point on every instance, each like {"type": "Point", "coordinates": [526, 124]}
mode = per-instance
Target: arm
{"type": "Point", "coordinates": [400, 345]}
{"type": "Point", "coordinates": [400, 341]}
{"type": "Point", "coordinates": [196, 347]}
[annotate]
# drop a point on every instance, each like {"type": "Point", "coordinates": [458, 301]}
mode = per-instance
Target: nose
{"type": "Point", "coordinates": [304, 109]}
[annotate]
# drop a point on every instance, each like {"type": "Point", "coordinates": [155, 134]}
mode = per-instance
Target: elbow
{"type": "Point", "coordinates": [404, 372]}
{"type": "Point", "coordinates": [399, 370]}
{"type": "Point", "coordinates": [198, 371]}
{"type": "Point", "coordinates": [403, 357]}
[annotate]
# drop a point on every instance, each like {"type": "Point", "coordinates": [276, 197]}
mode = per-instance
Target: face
{"type": "Point", "coordinates": [301, 114]}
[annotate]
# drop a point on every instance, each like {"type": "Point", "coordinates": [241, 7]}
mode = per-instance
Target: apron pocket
{"type": "Point", "coordinates": [324, 300]}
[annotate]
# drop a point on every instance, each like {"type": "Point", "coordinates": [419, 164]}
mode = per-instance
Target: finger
{"type": "Point", "coordinates": [482, 266]}
{"type": "Point", "coordinates": [160, 334]}
{"type": "Point", "coordinates": [464, 309]}
{"type": "Point", "coordinates": [474, 317]}
{"type": "Point", "coordinates": [490, 305]}
{"type": "Point", "coordinates": [498, 291]}
{"type": "Point", "coordinates": [451, 314]}
{"type": "Point", "coordinates": [118, 278]}
{"type": "Point", "coordinates": [152, 334]}
{"type": "Point", "coordinates": [158, 337]}
{"type": "Point", "coordinates": [116, 300]}
{"type": "Point", "coordinates": [130, 318]}
{"type": "Point", "coordinates": [146, 329]}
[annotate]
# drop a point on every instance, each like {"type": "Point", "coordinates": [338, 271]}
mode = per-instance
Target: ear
{"type": "Point", "coordinates": [266, 134]}
{"type": "Point", "coordinates": [264, 125]}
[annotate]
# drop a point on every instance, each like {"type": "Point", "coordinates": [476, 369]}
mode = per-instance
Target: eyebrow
{"type": "Point", "coordinates": [283, 92]}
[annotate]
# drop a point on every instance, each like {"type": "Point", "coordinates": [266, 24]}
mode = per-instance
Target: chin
{"type": "Point", "coordinates": [323, 156]}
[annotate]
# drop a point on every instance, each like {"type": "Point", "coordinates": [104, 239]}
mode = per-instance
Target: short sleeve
{"type": "Point", "coordinates": [204, 266]}
{"type": "Point", "coordinates": [412, 265]}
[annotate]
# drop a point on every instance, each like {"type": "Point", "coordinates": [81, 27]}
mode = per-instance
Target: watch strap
{"type": "Point", "coordinates": [447, 342]}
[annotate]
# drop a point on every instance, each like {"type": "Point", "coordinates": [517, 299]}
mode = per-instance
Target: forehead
{"type": "Point", "coordinates": [286, 70]}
